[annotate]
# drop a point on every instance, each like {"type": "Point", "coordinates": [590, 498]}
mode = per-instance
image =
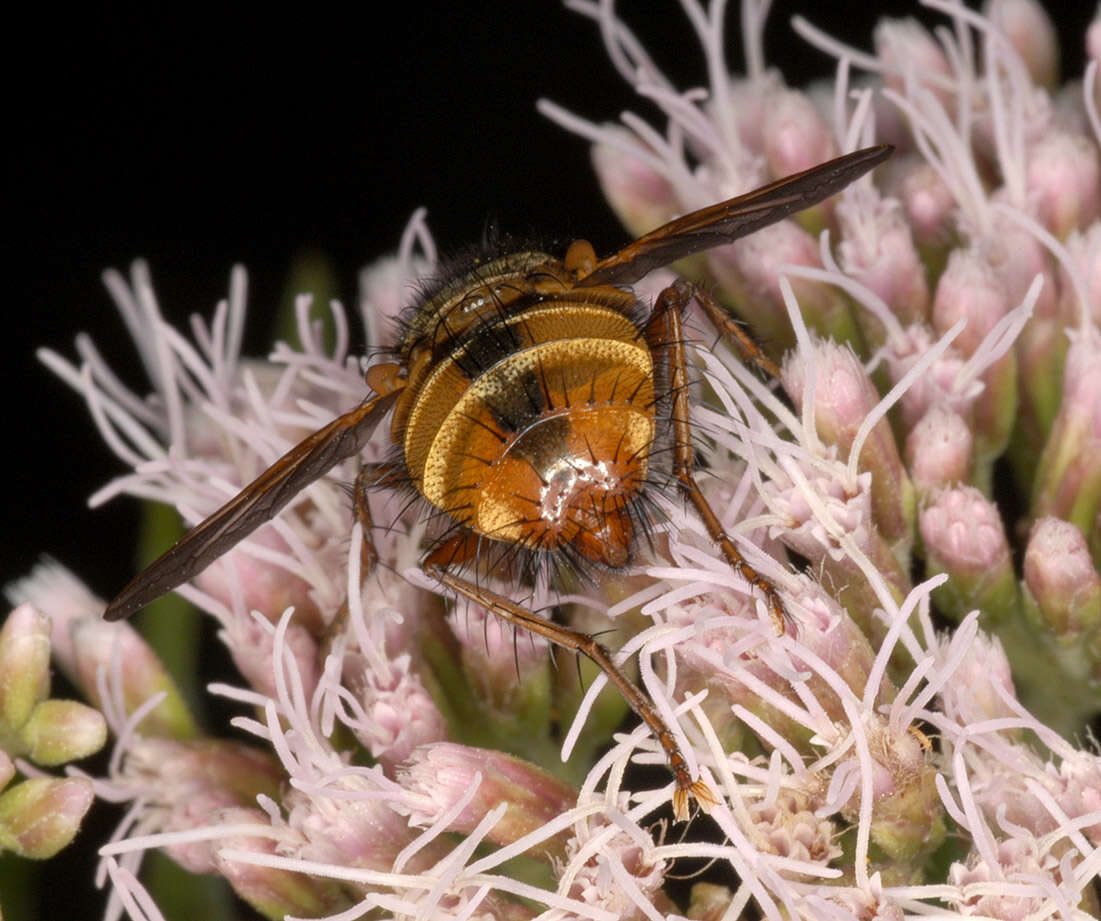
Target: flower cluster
{"type": "Point", "coordinates": [917, 745]}
{"type": "Point", "coordinates": [40, 814]}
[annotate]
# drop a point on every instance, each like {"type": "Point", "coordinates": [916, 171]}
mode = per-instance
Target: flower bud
{"type": "Point", "coordinates": [189, 783]}
{"type": "Point", "coordinates": [971, 288]}
{"type": "Point", "coordinates": [908, 816]}
{"type": "Point", "coordinates": [641, 197]}
{"type": "Point", "coordinates": [964, 537]}
{"type": "Point", "coordinates": [273, 891]}
{"type": "Point", "coordinates": [265, 586]}
{"type": "Point", "coordinates": [59, 594]}
{"type": "Point", "coordinates": [39, 817]}
{"type": "Point", "coordinates": [844, 396]}
{"type": "Point", "coordinates": [1061, 582]}
{"type": "Point", "coordinates": [1031, 33]}
{"type": "Point", "coordinates": [1068, 480]}
{"type": "Point", "coordinates": [24, 664]}
{"type": "Point", "coordinates": [975, 692]}
{"type": "Point", "coordinates": [174, 769]}
{"type": "Point", "coordinates": [355, 827]}
{"type": "Point", "coordinates": [1082, 248]}
{"type": "Point", "coordinates": [852, 512]}
{"type": "Point", "coordinates": [199, 808]}
{"type": "Point", "coordinates": [108, 646]}
{"type": "Point", "coordinates": [7, 769]}
{"type": "Point", "coordinates": [938, 450]}
{"type": "Point", "coordinates": [607, 892]}
{"type": "Point", "coordinates": [796, 138]}
{"type": "Point", "coordinates": [931, 212]}
{"type": "Point", "coordinates": [878, 250]}
{"type": "Point", "coordinates": [398, 713]}
{"type": "Point", "coordinates": [437, 776]}
{"type": "Point", "coordinates": [1077, 789]}
{"type": "Point", "coordinates": [937, 386]}
{"type": "Point", "coordinates": [790, 827]}
{"type": "Point", "coordinates": [1053, 641]}
{"type": "Point", "coordinates": [1016, 256]}
{"type": "Point", "coordinates": [1064, 181]}
{"type": "Point", "coordinates": [748, 271]}
{"type": "Point", "coordinates": [83, 644]}
{"type": "Point", "coordinates": [723, 623]}
{"type": "Point", "coordinates": [508, 670]}
{"type": "Point", "coordinates": [907, 49]}
{"type": "Point", "coordinates": [987, 892]}
{"type": "Point", "coordinates": [251, 645]}
{"type": "Point", "coordinates": [830, 634]}
{"type": "Point", "coordinates": [62, 730]}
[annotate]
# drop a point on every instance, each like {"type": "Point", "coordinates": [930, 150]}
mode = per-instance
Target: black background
{"type": "Point", "coordinates": [206, 138]}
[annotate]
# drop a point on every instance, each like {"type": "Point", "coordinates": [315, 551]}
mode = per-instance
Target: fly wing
{"type": "Point", "coordinates": [737, 217]}
{"type": "Point", "coordinates": [257, 503]}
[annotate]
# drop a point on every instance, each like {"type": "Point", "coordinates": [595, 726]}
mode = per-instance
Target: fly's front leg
{"type": "Point", "coordinates": [370, 476]}
{"type": "Point", "coordinates": [684, 292]}
{"type": "Point", "coordinates": [665, 331]}
{"type": "Point", "coordinates": [586, 645]}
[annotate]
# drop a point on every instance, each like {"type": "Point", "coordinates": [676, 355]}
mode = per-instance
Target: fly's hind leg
{"type": "Point", "coordinates": [509, 611]}
{"type": "Point", "coordinates": [665, 332]}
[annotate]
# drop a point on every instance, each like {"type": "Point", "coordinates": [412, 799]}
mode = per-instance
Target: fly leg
{"type": "Point", "coordinates": [370, 477]}
{"type": "Point", "coordinates": [665, 333]}
{"type": "Point", "coordinates": [573, 640]}
{"type": "Point", "coordinates": [735, 332]}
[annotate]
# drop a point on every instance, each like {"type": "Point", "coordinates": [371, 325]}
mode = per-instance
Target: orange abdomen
{"type": "Point", "coordinates": [533, 421]}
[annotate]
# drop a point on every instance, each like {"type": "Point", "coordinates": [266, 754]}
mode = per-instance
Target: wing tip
{"type": "Point", "coordinates": [120, 608]}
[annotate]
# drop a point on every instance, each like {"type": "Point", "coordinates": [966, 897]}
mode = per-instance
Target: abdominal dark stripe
{"type": "Point", "coordinates": [519, 403]}
{"type": "Point", "coordinates": [485, 342]}
{"type": "Point", "coordinates": [484, 346]}
{"type": "Point", "coordinates": [520, 400]}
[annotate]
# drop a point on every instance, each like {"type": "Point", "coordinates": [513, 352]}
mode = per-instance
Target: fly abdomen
{"type": "Point", "coordinates": [548, 443]}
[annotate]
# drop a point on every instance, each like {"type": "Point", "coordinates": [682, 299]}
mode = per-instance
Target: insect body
{"type": "Point", "coordinates": [531, 419]}
{"type": "Point", "coordinates": [534, 402]}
